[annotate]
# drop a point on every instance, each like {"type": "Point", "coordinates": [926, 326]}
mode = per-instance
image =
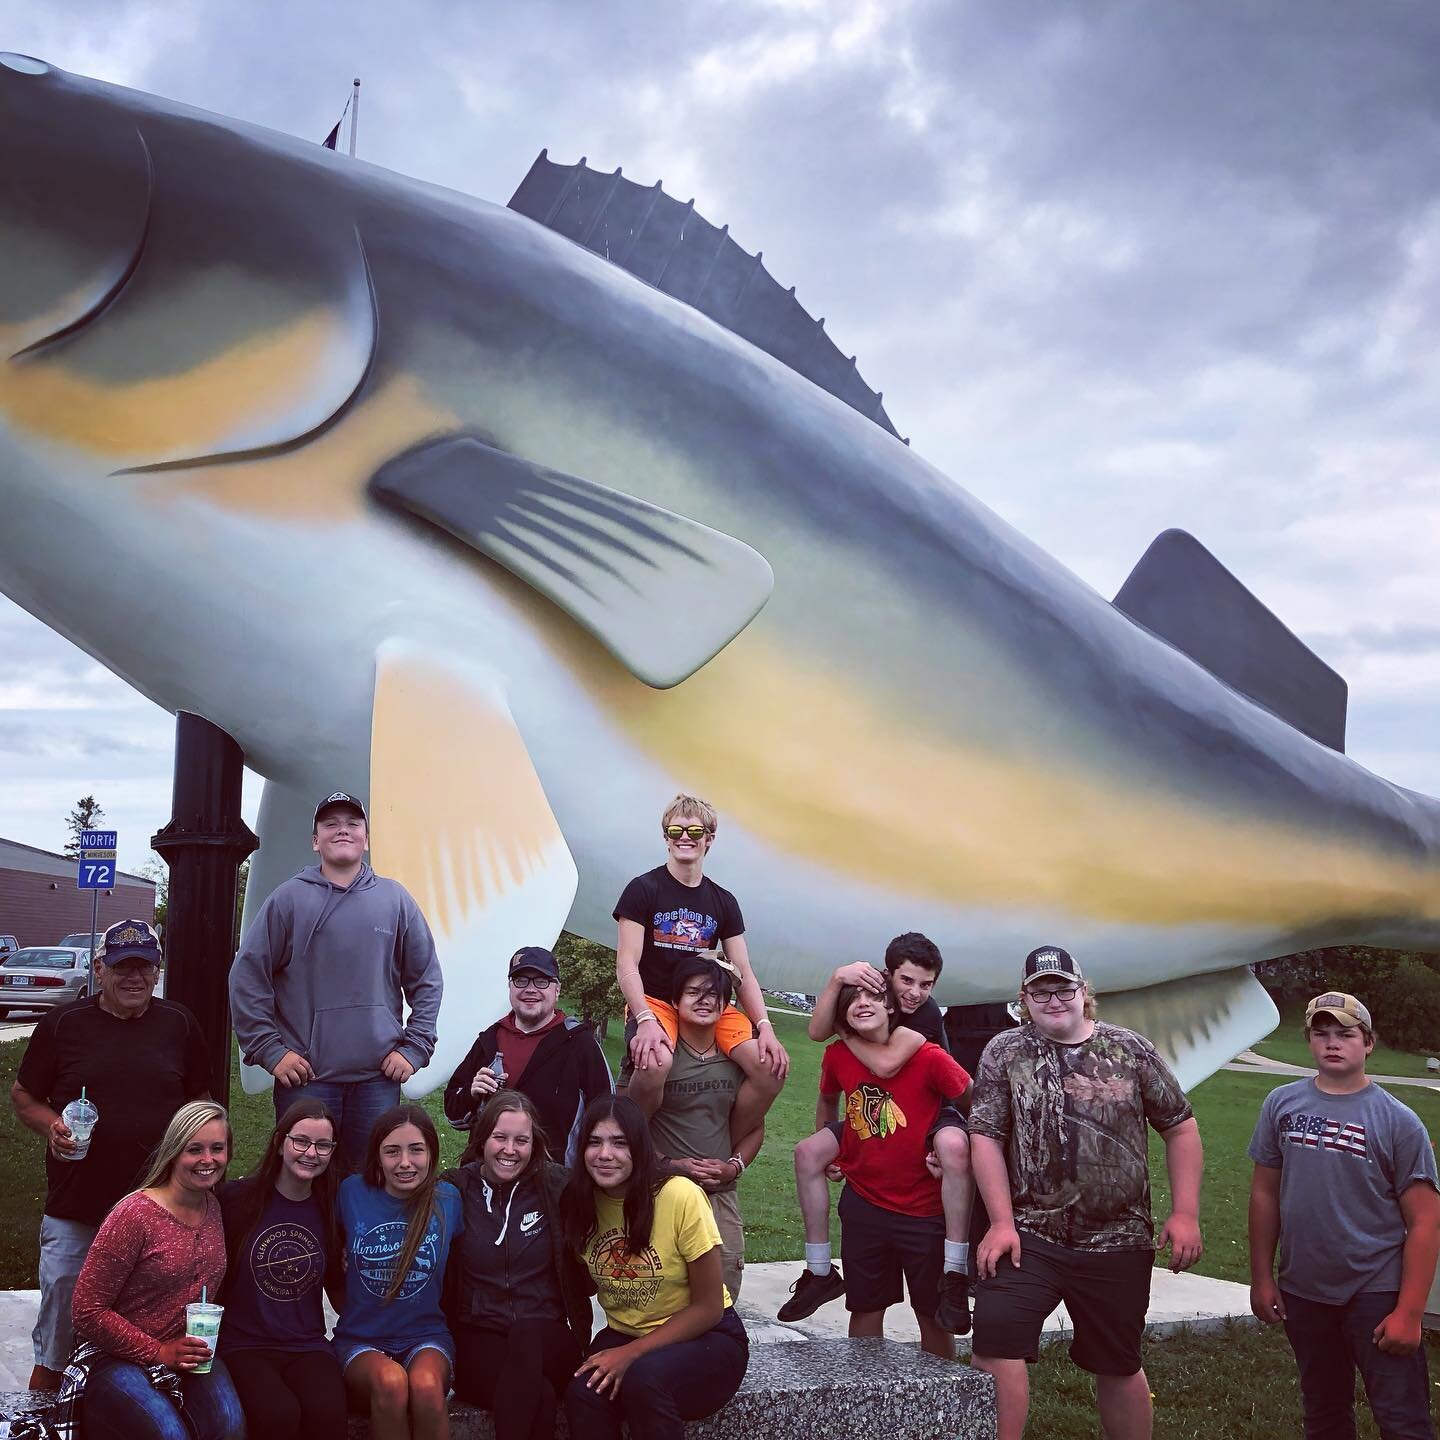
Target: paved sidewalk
{"type": "Point", "coordinates": [1249, 1062]}
{"type": "Point", "coordinates": [1176, 1302]}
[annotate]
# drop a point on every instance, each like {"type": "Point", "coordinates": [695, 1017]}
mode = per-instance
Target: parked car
{"type": "Point", "coordinates": [9, 943]}
{"type": "Point", "coordinates": [40, 977]}
{"type": "Point", "coordinates": [80, 940]}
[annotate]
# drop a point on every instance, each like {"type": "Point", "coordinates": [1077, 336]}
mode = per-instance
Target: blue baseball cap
{"type": "Point", "coordinates": [129, 940]}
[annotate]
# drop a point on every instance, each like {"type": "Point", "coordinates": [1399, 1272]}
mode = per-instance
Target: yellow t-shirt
{"type": "Point", "coordinates": [639, 1292]}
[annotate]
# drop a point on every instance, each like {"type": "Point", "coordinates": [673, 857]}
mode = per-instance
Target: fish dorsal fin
{"type": "Point", "coordinates": [1182, 593]}
{"type": "Point", "coordinates": [666, 244]}
{"type": "Point", "coordinates": [661, 592]}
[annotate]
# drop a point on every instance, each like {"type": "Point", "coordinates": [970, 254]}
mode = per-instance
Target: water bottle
{"type": "Point", "coordinates": [81, 1116]}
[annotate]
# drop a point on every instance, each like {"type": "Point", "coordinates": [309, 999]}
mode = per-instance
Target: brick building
{"type": "Point", "coordinates": [39, 901]}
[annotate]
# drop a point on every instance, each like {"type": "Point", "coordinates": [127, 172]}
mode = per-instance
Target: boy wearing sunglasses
{"type": "Point", "coordinates": [1058, 1142]}
{"type": "Point", "coordinates": [552, 1058]}
{"type": "Point", "coordinates": [671, 912]}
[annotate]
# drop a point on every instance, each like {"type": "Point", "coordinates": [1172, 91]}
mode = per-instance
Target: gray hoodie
{"type": "Point", "coordinates": [322, 971]}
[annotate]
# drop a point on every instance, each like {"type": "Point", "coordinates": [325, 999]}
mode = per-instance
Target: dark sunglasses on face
{"type": "Point", "coordinates": [529, 981]}
{"type": "Point", "coordinates": [695, 832]}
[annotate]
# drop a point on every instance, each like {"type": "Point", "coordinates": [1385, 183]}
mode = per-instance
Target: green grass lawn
{"type": "Point", "coordinates": [1240, 1383]}
{"type": "Point", "coordinates": [1287, 1043]}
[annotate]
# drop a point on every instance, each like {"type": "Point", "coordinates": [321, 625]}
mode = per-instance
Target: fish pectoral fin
{"type": "Point", "coordinates": [1179, 591]}
{"type": "Point", "coordinates": [459, 817]}
{"type": "Point", "coordinates": [1199, 1023]}
{"type": "Point", "coordinates": [663, 593]}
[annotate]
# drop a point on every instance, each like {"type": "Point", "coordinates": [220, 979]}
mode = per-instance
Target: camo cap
{"type": "Point", "coordinates": [1345, 1008]}
{"type": "Point", "coordinates": [129, 940]}
{"type": "Point", "coordinates": [1050, 962]}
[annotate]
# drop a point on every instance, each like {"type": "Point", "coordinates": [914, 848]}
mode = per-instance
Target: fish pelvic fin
{"type": "Point", "coordinates": [459, 817]}
{"type": "Point", "coordinates": [663, 593]}
{"type": "Point", "coordinates": [1197, 1023]}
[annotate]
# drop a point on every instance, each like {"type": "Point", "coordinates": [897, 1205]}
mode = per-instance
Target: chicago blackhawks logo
{"type": "Point", "coordinates": [872, 1113]}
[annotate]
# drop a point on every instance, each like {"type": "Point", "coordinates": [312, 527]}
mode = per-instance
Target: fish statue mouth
{"type": "Point", "coordinates": [23, 64]}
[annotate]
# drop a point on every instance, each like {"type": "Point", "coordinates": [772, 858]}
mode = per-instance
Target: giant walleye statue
{"type": "Point", "coordinates": [419, 499]}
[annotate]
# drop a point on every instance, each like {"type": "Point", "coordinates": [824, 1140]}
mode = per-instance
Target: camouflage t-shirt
{"type": "Point", "coordinates": [1072, 1120]}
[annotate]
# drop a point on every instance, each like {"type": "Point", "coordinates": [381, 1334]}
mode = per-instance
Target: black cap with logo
{"type": "Point", "coordinates": [1051, 962]}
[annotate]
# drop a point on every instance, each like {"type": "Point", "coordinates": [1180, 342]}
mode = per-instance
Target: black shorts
{"type": "Point", "coordinates": [878, 1247]}
{"type": "Point", "coordinates": [949, 1116]}
{"type": "Point", "coordinates": [1106, 1293]}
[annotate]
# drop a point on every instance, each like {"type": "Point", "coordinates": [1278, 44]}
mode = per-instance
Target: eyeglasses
{"type": "Point", "coordinates": [1064, 994]}
{"type": "Point", "coordinates": [695, 832]}
{"type": "Point", "coordinates": [321, 1147]}
{"type": "Point", "coordinates": [530, 981]}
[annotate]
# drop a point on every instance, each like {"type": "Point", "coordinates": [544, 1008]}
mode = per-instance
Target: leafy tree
{"type": "Point", "coordinates": [85, 816]}
{"type": "Point", "coordinates": [587, 980]}
{"type": "Point", "coordinates": [1401, 989]}
{"type": "Point", "coordinates": [244, 880]}
{"type": "Point", "coordinates": [157, 870]}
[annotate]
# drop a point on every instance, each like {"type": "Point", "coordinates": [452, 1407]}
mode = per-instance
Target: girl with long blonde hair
{"type": "Point", "coordinates": [159, 1249]}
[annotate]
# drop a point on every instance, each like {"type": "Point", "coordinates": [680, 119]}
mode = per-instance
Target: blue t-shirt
{"type": "Point", "coordinates": [275, 1302]}
{"type": "Point", "coordinates": [374, 1225]}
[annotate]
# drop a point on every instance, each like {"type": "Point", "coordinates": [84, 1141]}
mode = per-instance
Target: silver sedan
{"type": "Point", "coordinates": [40, 977]}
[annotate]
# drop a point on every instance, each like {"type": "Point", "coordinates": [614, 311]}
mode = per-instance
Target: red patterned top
{"type": "Point", "coordinates": [142, 1269]}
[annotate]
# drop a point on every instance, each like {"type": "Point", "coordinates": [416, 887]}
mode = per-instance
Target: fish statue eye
{"type": "Point", "coordinates": [23, 64]}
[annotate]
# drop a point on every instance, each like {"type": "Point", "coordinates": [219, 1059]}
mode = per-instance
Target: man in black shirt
{"type": "Point", "coordinates": [912, 966]}
{"type": "Point", "coordinates": [671, 912]}
{"type": "Point", "coordinates": [138, 1060]}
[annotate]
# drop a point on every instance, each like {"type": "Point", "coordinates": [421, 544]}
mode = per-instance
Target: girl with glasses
{"type": "Point", "coordinates": [673, 1348]}
{"type": "Point", "coordinates": [284, 1248]}
{"type": "Point", "coordinates": [519, 1306]}
{"type": "Point", "coordinates": [400, 1221]}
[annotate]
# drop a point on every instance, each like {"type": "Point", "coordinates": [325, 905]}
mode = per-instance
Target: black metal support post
{"type": "Point", "coordinates": [203, 845]}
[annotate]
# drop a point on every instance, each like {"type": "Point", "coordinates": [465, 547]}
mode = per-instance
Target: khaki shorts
{"type": "Point", "coordinates": [725, 1206]}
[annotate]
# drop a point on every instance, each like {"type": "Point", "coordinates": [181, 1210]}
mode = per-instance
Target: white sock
{"type": "Point", "coordinates": [957, 1255]}
{"type": "Point", "coordinates": [817, 1257]}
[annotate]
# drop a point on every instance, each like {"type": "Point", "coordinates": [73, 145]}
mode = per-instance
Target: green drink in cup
{"type": "Point", "coordinates": [202, 1319]}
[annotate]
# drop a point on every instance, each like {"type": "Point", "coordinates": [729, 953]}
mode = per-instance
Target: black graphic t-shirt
{"type": "Point", "coordinates": [677, 920]}
{"type": "Point", "coordinates": [276, 1299]}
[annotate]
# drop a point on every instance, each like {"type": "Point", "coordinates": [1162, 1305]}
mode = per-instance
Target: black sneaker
{"type": "Point", "coordinates": [811, 1291]}
{"type": "Point", "coordinates": [953, 1311]}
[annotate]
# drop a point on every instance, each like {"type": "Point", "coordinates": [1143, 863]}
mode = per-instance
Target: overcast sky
{"type": "Point", "coordinates": [1115, 267]}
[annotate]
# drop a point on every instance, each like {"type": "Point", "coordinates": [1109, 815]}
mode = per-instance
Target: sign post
{"type": "Point", "coordinates": [96, 872]}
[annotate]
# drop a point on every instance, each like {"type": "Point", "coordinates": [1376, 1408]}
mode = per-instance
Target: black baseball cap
{"type": "Point", "coordinates": [536, 958]}
{"type": "Point", "coordinates": [1050, 962]}
{"type": "Point", "coordinates": [336, 798]}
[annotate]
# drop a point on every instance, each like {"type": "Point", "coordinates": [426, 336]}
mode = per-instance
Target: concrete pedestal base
{"type": "Point", "coordinates": [825, 1390]}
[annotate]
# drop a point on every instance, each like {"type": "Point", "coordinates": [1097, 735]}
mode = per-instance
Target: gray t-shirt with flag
{"type": "Point", "coordinates": [1344, 1162]}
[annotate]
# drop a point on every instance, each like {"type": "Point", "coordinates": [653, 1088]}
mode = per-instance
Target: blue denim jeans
{"type": "Point", "coordinates": [1332, 1342]}
{"type": "Point", "coordinates": [356, 1105]}
{"type": "Point", "coordinates": [119, 1403]}
{"type": "Point", "coordinates": [662, 1390]}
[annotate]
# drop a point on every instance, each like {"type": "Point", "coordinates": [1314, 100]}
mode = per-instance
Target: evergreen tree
{"type": "Point", "coordinates": [86, 815]}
